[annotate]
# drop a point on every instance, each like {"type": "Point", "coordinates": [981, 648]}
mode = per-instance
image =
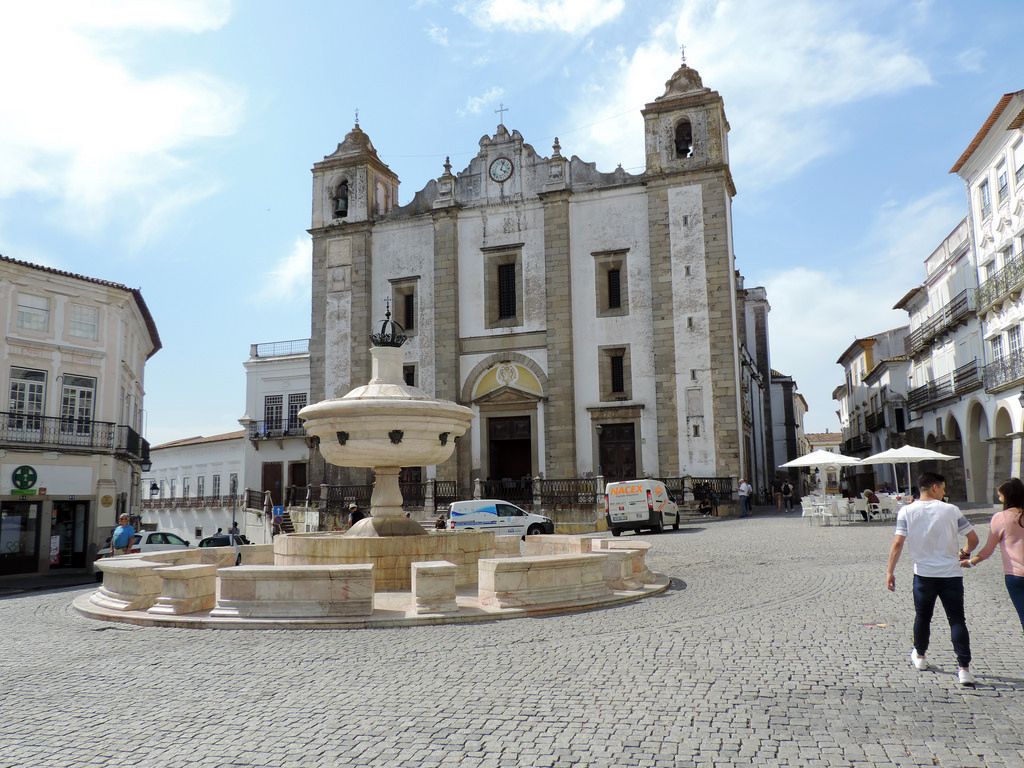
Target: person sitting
{"type": "Point", "coordinates": [869, 496]}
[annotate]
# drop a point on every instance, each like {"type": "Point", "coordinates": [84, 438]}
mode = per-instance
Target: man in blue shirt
{"type": "Point", "coordinates": [121, 541]}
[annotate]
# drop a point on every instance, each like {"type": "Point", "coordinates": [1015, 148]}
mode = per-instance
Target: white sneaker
{"type": "Point", "coordinates": [965, 676]}
{"type": "Point", "coordinates": [919, 662]}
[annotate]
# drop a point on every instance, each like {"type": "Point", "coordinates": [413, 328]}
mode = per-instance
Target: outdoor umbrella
{"type": "Point", "coordinates": [821, 458]}
{"type": "Point", "coordinates": [908, 454]}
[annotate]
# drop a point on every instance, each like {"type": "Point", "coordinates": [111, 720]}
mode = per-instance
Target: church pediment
{"type": "Point", "coordinates": [507, 396]}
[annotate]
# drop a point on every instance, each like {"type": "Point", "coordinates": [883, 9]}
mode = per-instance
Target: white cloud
{"type": "Point", "coordinates": [971, 60]}
{"type": "Point", "coordinates": [576, 17]}
{"type": "Point", "coordinates": [438, 34]}
{"type": "Point", "coordinates": [816, 314]}
{"type": "Point", "coordinates": [782, 66]}
{"type": "Point", "coordinates": [291, 277]}
{"type": "Point", "coordinates": [79, 123]}
{"type": "Point", "coordinates": [476, 104]}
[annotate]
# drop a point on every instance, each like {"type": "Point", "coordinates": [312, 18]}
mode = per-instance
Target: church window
{"type": "Point", "coordinates": [696, 430]}
{"type": "Point", "coordinates": [684, 138]}
{"type": "Point", "coordinates": [409, 374]}
{"type": "Point", "coordinates": [611, 281]}
{"type": "Point", "coordinates": [341, 200]}
{"type": "Point", "coordinates": [404, 303]}
{"type": "Point", "coordinates": [614, 373]}
{"type": "Point", "coordinates": [503, 299]}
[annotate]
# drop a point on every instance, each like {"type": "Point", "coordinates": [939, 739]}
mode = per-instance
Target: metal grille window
{"type": "Point", "coordinates": [614, 289]}
{"type": "Point", "coordinates": [272, 407]}
{"type": "Point", "coordinates": [200, 486]}
{"type": "Point", "coordinates": [28, 390]}
{"type": "Point", "coordinates": [84, 322]}
{"type": "Point", "coordinates": [995, 348]}
{"type": "Point", "coordinates": [618, 378]}
{"type": "Point", "coordinates": [409, 311]}
{"type": "Point", "coordinates": [76, 404]}
{"type": "Point", "coordinates": [33, 312]}
{"type": "Point", "coordinates": [216, 485]}
{"type": "Point", "coordinates": [506, 291]}
{"type": "Point", "coordinates": [296, 402]}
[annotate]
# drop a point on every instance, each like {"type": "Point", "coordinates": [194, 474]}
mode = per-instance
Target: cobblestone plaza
{"type": "Point", "coordinates": [777, 645]}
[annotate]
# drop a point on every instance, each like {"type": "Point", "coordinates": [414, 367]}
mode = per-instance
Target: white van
{"type": "Point", "coordinates": [495, 515]}
{"type": "Point", "coordinates": [636, 504]}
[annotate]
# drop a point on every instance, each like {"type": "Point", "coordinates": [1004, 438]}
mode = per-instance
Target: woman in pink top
{"type": "Point", "coordinates": [1007, 529]}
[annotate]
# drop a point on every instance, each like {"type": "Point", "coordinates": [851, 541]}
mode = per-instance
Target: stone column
{"type": "Point", "coordinates": [447, 384]}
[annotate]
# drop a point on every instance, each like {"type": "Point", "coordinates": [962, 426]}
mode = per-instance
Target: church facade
{"type": "Point", "coordinates": [589, 319]}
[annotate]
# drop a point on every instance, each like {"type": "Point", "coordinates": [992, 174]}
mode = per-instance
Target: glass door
{"type": "Point", "coordinates": [76, 406]}
{"type": "Point", "coordinates": [19, 536]}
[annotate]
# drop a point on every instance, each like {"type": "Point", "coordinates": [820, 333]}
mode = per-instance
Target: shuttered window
{"type": "Point", "coordinates": [506, 291]}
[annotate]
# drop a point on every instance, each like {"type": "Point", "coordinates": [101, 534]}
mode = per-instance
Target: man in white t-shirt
{"type": "Point", "coordinates": [745, 489]}
{"type": "Point", "coordinates": [931, 530]}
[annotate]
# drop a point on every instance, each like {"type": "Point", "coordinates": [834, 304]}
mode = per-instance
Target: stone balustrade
{"type": "Point", "coordinates": [541, 580]}
{"type": "Point", "coordinates": [433, 587]}
{"type": "Point", "coordinates": [185, 589]}
{"type": "Point", "coordinates": [304, 591]}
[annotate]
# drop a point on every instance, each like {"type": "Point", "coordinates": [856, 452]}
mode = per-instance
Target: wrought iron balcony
{"type": "Point", "coordinates": [958, 310]}
{"type": "Point", "coordinates": [875, 421]}
{"type": "Point", "coordinates": [280, 348]}
{"type": "Point", "coordinates": [29, 430]}
{"type": "Point", "coordinates": [1005, 372]}
{"type": "Point", "coordinates": [857, 444]}
{"type": "Point", "coordinates": [962, 380]}
{"type": "Point", "coordinates": [275, 428]}
{"type": "Point", "coordinates": [1008, 280]}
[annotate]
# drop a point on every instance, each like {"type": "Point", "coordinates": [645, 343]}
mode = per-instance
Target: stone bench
{"type": "Point", "coordinates": [130, 583]}
{"type": "Point", "coordinates": [507, 546]}
{"type": "Point", "coordinates": [295, 591]}
{"type": "Point", "coordinates": [557, 544]}
{"type": "Point", "coordinates": [638, 556]}
{"type": "Point", "coordinates": [433, 587]}
{"type": "Point", "coordinates": [541, 580]}
{"type": "Point", "coordinates": [186, 589]}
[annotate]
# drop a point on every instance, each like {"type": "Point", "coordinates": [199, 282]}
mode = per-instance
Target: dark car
{"type": "Point", "coordinates": [222, 540]}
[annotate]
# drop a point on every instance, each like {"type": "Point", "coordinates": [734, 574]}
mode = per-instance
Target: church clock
{"type": "Point", "coordinates": [501, 169]}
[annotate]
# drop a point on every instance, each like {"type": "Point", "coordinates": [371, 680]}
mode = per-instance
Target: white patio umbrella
{"type": "Point", "coordinates": [821, 458]}
{"type": "Point", "coordinates": [908, 454]}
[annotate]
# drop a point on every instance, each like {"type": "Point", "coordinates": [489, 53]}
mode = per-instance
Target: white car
{"type": "Point", "coordinates": [496, 515]}
{"type": "Point", "coordinates": [145, 541]}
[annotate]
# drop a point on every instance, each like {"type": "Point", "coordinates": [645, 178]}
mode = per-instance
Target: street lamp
{"type": "Point", "coordinates": [1020, 398]}
{"type": "Point", "coordinates": [154, 490]}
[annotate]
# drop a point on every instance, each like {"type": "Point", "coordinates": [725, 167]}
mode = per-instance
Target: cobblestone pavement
{"type": "Point", "coordinates": [777, 645]}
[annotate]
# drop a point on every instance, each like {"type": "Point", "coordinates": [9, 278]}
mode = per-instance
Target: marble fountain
{"type": "Point", "coordinates": [386, 570]}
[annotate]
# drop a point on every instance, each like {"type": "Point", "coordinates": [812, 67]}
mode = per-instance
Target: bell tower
{"type": "Point", "coordinates": [352, 184]}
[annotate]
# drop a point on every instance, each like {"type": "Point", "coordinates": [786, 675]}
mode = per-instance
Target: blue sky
{"type": "Point", "coordinates": [168, 145]}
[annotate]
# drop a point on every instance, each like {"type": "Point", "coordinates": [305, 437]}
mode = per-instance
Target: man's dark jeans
{"type": "Point", "coordinates": [951, 592]}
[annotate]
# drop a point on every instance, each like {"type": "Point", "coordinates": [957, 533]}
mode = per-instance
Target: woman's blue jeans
{"type": "Point", "coordinates": [1015, 586]}
{"type": "Point", "coordinates": [927, 589]}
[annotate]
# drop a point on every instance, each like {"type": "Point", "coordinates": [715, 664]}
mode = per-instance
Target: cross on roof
{"type": "Point", "coordinates": [502, 109]}
{"type": "Point", "coordinates": [682, 52]}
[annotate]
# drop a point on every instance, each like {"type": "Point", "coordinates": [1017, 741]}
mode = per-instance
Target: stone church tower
{"type": "Point", "coordinates": [589, 319]}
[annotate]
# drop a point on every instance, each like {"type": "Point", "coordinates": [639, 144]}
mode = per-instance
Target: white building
{"type": "Point", "coordinates": [589, 319]}
{"type": "Point", "coordinates": [788, 410]}
{"type": "Point", "coordinates": [74, 351]}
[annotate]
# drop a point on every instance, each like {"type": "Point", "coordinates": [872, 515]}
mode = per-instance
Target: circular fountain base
{"type": "Point", "coordinates": [374, 527]}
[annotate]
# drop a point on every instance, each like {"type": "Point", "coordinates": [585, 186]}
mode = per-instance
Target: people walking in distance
{"type": "Point", "coordinates": [121, 541]}
{"type": "Point", "coordinates": [745, 491]}
{"type": "Point", "coordinates": [1007, 531]}
{"type": "Point", "coordinates": [787, 496]}
{"type": "Point", "coordinates": [931, 529]}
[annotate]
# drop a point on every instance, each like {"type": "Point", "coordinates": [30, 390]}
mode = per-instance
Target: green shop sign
{"type": "Point", "coordinates": [24, 479]}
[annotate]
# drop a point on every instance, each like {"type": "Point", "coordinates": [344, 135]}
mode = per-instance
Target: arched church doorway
{"type": "Point", "coordinates": [950, 443]}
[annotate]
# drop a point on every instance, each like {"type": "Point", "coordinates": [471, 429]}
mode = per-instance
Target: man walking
{"type": "Point", "coordinates": [745, 489]}
{"type": "Point", "coordinates": [931, 529]}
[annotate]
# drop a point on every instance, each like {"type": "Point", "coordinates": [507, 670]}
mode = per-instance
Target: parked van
{"type": "Point", "coordinates": [633, 505]}
{"type": "Point", "coordinates": [503, 518]}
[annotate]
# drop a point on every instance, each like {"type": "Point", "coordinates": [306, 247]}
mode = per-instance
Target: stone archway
{"type": "Point", "coordinates": [950, 443]}
{"type": "Point", "coordinates": [1002, 449]}
{"type": "Point", "coordinates": [977, 445]}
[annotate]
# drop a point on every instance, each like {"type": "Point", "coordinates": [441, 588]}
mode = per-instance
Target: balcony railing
{"type": "Point", "coordinates": [280, 348]}
{"type": "Point", "coordinates": [962, 380]}
{"type": "Point", "coordinates": [875, 421]}
{"type": "Point", "coordinates": [952, 314]}
{"type": "Point", "coordinates": [265, 430]}
{"type": "Point", "coordinates": [1005, 371]}
{"type": "Point", "coordinates": [191, 502]}
{"type": "Point", "coordinates": [28, 429]}
{"type": "Point", "coordinates": [1004, 282]}
{"type": "Point", "coordinates": [857, 443]}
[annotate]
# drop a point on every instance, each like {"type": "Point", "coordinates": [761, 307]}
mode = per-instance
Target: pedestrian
{"type": "Point", "coordinates": [745, 490]}
{"type": "Point", "coordinates": [234, 533]}
{"type": "Point", "coordinates": [787, 495]}
{"type": "Point", "coordinates": [931, 529]}
{"type": "Point", "coordinates": [123, 536]}
{"type": "Point", "coordinates": [1006, 530]}
{"type": "Point", "coordinates": [354, 515]}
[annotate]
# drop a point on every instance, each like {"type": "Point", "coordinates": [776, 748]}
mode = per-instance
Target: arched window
{"type": "Point", "coordinates": [684, 138]}
{"type": "Point", "coordinates": [341, 200]}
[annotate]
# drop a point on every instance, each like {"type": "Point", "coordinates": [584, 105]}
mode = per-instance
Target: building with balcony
{"type": "Point", "coordinates": [992, 168]}
{"type": "Point", "coordinates": [74, 350]}
{"type": "Point", "coordinates": [872, 402]}
{"type": "Point", "coordinates": [787, 413]}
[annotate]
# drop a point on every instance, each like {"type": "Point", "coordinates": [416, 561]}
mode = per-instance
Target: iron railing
{"type": "Point", "coordinates": [959, 308]}
{"type": "Point", "coordinates": [1003, 282]}
{"type": "Point", "coordinates": [962, 380]}
{"type": "Point", "coordinates": [1005, 371]}
{"type": "Point", "coordinates": [281, 348]}
{"type": "Point", "coordinates": [193, 501]}
{"type": "Point", "coordinates": [265, 430]}
{"type": "Point", "coordinates": [875, 421]}
{"type": "Point", "coordinates": [566, 492]}
{"type": "Point", "coordinates": [517, 491]}
{"type": "Point", "coordinates": [72, 434]}
{"type": "Point", "coordinates": [857, 443]}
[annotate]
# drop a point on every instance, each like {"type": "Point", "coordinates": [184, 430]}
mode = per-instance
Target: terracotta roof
{"type": "Point", "coordinates": [907, 297]}
{"type": "Point", "coordinates": [983, 131]}
{"type": "Point", "coordinates": [135, 292]}
{"type": "Point", "coordinates": [824, 437]}
{"type": "Point", "coordinates": [199, 440]}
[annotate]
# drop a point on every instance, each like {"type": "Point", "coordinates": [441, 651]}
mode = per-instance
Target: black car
{"type": "Point", "coordinates": [222, 540]}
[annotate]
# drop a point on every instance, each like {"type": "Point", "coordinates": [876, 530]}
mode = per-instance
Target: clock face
{"type": "Point", "coordinates": [501, 169]}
